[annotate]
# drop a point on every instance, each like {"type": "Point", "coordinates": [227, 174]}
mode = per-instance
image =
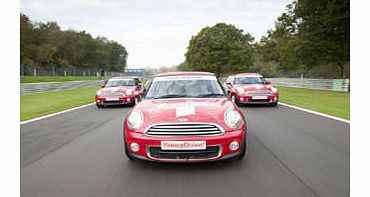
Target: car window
{"type": "Point", "coordinates": [249, 80]}
{"type": "Point", "coordinates": [185, 87]}
{"type": "Point", "coordinates": [119, 83]}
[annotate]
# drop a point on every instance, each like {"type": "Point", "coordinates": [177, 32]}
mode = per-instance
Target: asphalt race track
{"type": "Point", "coordinates": [80, 154]}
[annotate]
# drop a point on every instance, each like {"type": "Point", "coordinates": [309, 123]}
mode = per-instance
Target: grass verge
{"type": "Point", "coordinates": [41, 79]}
{"type": "Point", "coordinates": [327, 102]}
{"type": "Point", "coordinates": [40, 104]}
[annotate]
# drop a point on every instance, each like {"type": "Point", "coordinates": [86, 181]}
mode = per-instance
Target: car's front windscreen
{"type": "Point", "coordinates": [119, 83]}
{"type": "Point", "coordinates": [185, 87]}
{"type": "Point", "coordinates": [249, 80]}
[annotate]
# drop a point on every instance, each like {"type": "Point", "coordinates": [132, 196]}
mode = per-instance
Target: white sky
{"type": "Point", "coordinates": [155, 32]}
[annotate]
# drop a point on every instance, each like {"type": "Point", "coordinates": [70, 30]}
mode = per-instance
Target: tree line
{"type": "Point", "coordinates": [311, 37]}
{"type": "Point", "coordinates": [46, 45]}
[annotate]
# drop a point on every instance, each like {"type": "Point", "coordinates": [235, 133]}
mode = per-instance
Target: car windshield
{"type": "Point", "coordinates": [249, 80]}
{"type": "Point", "coordinates": [182, 86]}
{"type": "Point", "coordinates": [118, 83]}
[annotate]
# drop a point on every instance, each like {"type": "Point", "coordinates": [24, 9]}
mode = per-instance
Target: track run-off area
{"type": "Point", "coordinates": [80, 153]}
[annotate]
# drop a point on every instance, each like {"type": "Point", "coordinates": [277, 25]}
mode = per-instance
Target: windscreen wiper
{"type": "Point", "coordinates": [172, 96]}
{"type": "Point", "coordinates": [210, 95]}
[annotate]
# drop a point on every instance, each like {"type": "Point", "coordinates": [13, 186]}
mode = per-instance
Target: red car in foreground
{"type": "Point", "coordinates": [119, 91]}
{"type": "Point", "coordinates": [185, 117]}
{"type": "Point", "coordinates": [251, 88]}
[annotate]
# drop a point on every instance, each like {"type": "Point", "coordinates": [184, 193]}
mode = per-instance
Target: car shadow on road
{"type": "Point", "coordinates": [258, 106]}
{"type": "Point", "coordinates": [196, 166]}
{"type": "Point", "coordinates": [115, 107]}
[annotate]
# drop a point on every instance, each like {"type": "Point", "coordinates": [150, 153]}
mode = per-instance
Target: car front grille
{"type": "Point", "coordinates": [113, 95]}
{"type": "Point", "coordinates": [259, 100]}
{"type": "Point", "coordinates": [184, 129]}
{"type": "Point", "coordinates": [259, 93]}
{"type": "Point", "coordinates": [209, 152]}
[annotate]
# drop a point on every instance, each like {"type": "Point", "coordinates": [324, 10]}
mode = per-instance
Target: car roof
{"type": "Point", "coordinates": [246, 74]}
{"type": "Point", "coordinates": [184, 73]}
{"type": "Point", "coordinates": [124, 77]}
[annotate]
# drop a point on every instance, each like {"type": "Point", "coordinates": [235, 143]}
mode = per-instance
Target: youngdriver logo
{"type": "Point", "coordinates": [184, 145]}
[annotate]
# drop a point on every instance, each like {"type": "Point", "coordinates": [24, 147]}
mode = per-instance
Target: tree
{"type": "Point", "coordinates": [309, 34]}
{"type": "Point", "coordinates": [220, 49]}
{"type": "Point", "coordinates": [46, 45]}
{"type": "Point", "coordinates": [324, 31]}
{"type": "Point", "coordinates": [25, 32]}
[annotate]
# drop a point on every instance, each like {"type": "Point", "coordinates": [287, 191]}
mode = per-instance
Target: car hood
{"type": "Point", "coordinates": [117, 89]}
{"type": "Point", "coordinates": [255, 87]}
{"type": "Point", "coordinates": [184, 110]}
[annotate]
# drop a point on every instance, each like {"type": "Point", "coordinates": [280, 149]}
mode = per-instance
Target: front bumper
{"type": "Point", "coordinates": [246, 99]}
{"type": "Point", "coordinates": [120, 101]}
{"type": "Point", "coordinates": [217, 147]}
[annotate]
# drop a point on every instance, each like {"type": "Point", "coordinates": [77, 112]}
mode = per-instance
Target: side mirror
{"type": "Point", "coordinates": [228, 83]}
{"type": "Point", "coordinates": [267, 82]}
{"type": "Point", "coordinates": [102, 85]}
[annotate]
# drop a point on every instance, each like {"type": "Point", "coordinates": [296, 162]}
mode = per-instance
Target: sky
{"type": "Point", "coordinates": [155, 32]}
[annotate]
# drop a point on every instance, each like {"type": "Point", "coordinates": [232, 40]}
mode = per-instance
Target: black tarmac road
{"type": "Point", "coordinates": [79, 153]}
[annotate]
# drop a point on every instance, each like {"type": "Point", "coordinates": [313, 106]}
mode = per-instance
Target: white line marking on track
{"type": "Point", "coordinates": [57, 113]}
{"type": "Point", "coordinates": [316, 113]}
{"type": "Point", "coordinates": [291, 106]}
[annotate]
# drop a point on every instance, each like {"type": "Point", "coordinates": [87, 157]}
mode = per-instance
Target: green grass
{"type": "Point", "coordinates": [39, 104]}
{"type": "Point", "coordinates": [40, 79]}
{"type": "Point", "coordinates": [328, 102]}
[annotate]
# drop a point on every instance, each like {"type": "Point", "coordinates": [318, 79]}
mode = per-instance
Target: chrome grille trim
{"type": "Point", "coordinates": [113, 95]}
{"type": "Point", "coordinates": [260, 93]}
{"type": "Point", "coordinates": [184, 129]}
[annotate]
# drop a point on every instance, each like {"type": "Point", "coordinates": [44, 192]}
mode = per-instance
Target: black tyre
{"type": "Point", "coordinates": [274, 104]}
{"type": "Point", "coordinates": [244, 149]}
{"type": "Point", "coordinates": [99, 106]}
{"type": "Point", "coordinates": [233, 98]}
{"type": "Point", "coordinates": [128, 154]}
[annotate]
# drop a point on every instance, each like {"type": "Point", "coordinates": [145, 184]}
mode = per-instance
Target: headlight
{"type": "Point", "coordinates": [233, 119]}
{"type": "Point", "coordinates": [274, 90]}
{"type": "Point", "coordinates": [240, 90]}
{"type": "Point", "coordinates": [98, 92]}
{"type": "Point", "coordinates": [129, 92]}
{"type": "Point", "coordinates": [135, 120]}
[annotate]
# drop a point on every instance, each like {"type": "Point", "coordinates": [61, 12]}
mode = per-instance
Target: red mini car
{"type": "Point", "coordinates": [185, 117]}
{"type": "Point", "coordinates": [119, 91]}
{"type": "Point", "coordinates": [251, 88]}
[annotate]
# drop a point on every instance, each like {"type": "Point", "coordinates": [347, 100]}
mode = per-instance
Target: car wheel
{"type": "Point", "coordinates": [99, 106]}
{"type": "Point", "coordinates": [244, 150]}
{"type": "Point", "coordinates": [274, 104]}
{"type": "Point", "coordinates": [128, 154]}
{"type": "Point", "coordinates": [233, 98]}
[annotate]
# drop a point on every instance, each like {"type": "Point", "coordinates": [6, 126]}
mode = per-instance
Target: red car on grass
{"type": "Point", "coordinates": [185, 117]}
{"type": "Point", "coordinates": [119, 91]}
{"type": "Point", "coordinates": [251, 88]}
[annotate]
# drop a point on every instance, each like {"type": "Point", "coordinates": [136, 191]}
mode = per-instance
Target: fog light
{"type": "Point", "coordinates": [134, 147]}
{"type": "Point", "coordinates": [234, 145]}
{"type": "Point", "coordinates": [98, 101]}
{"type": "Point", "coordinates": [241, 98]}
{"type": "Point", "coordinates": [128, 99]}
